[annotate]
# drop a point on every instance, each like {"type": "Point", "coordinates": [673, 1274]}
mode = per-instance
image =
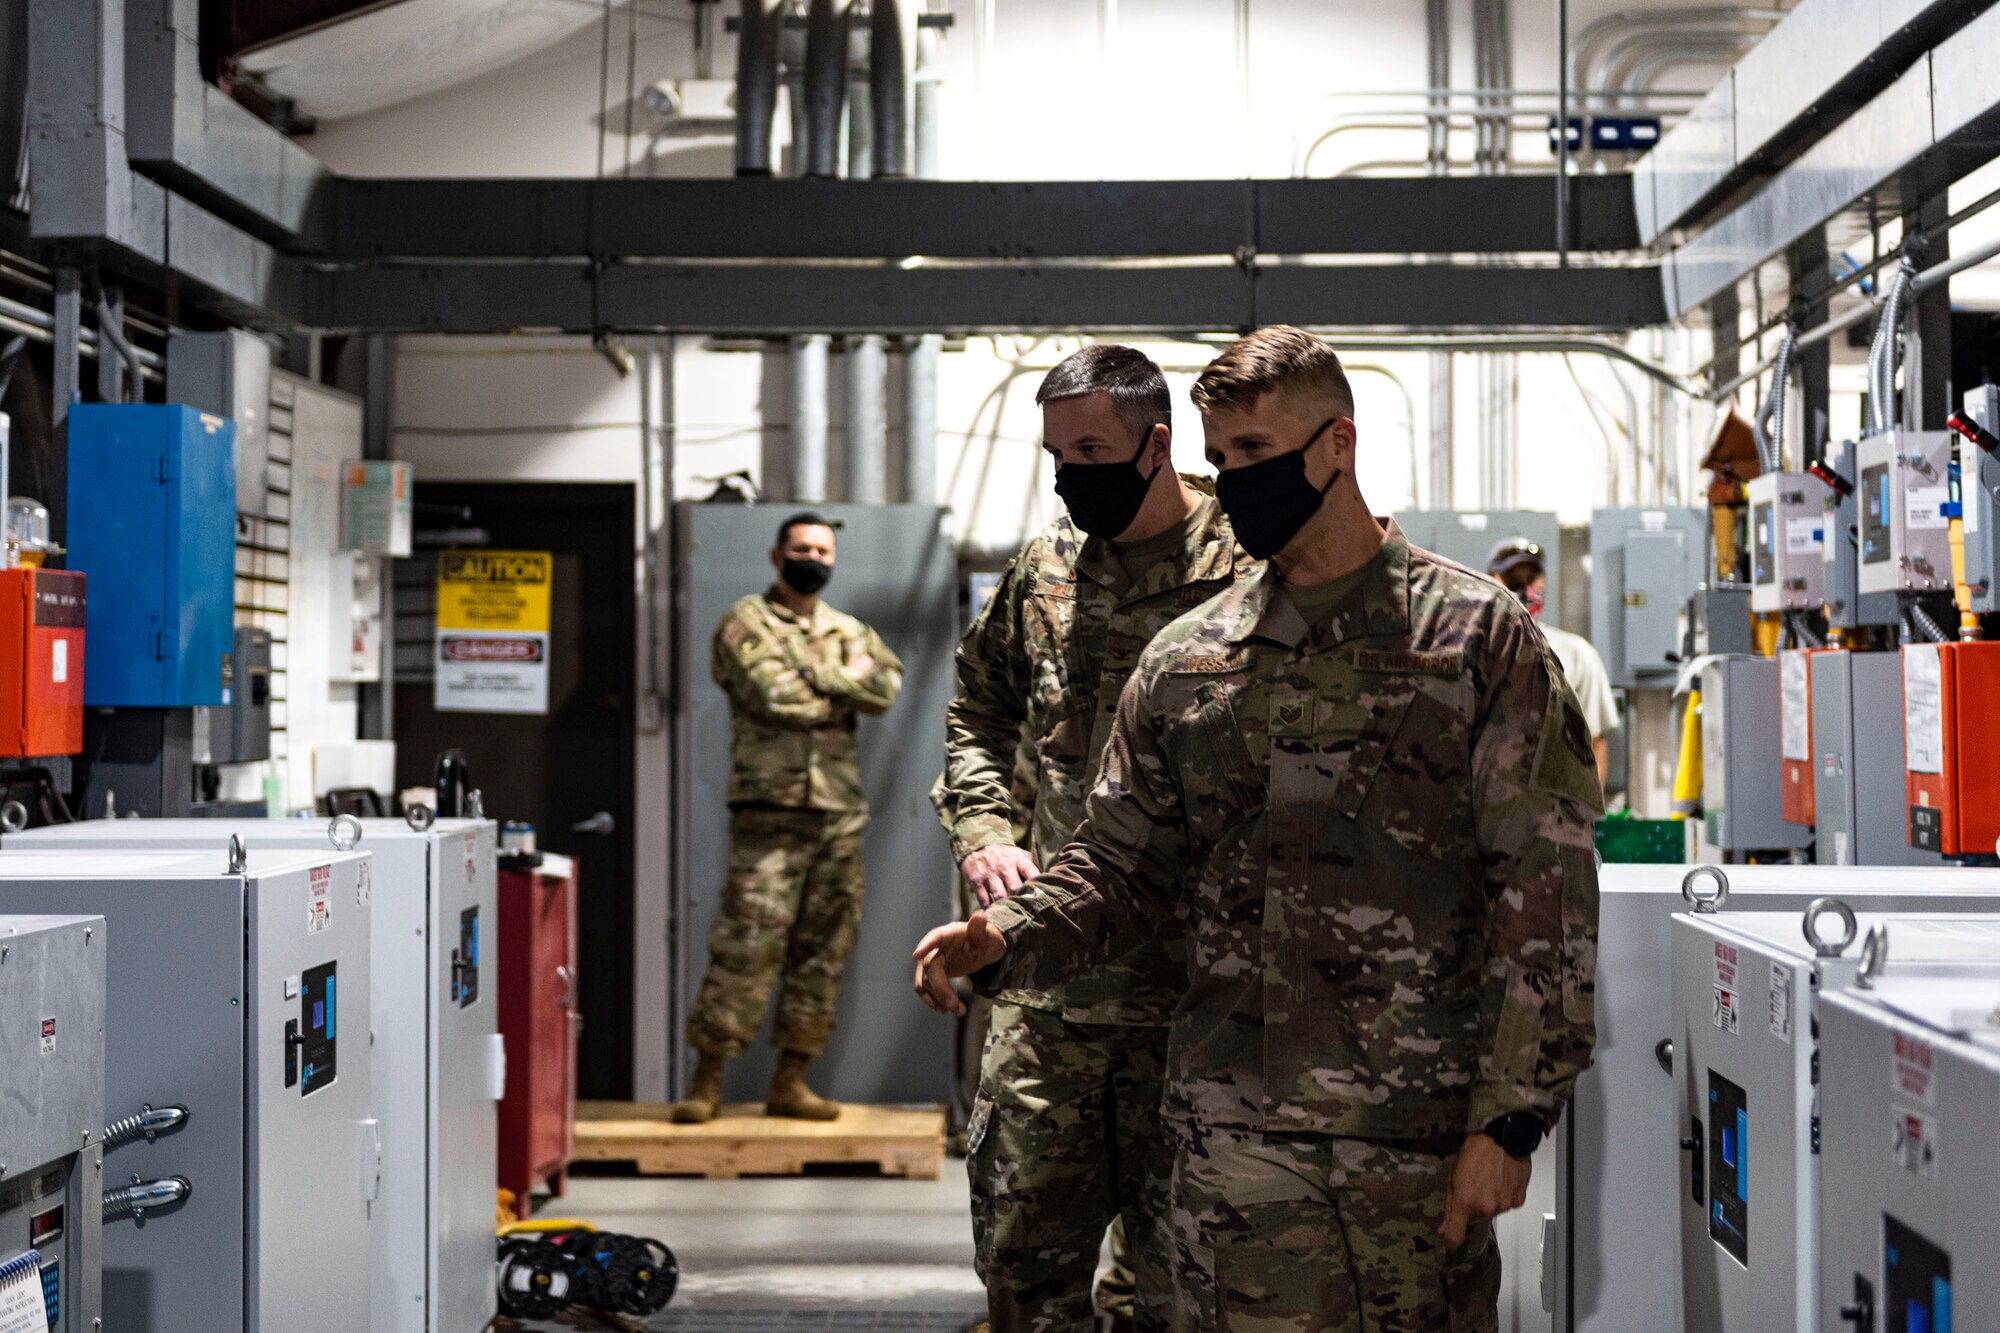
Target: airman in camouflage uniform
{"type": "Point", "coordinates": [1374, 821]}
{"type": "Point", "coordinates": [798, 674]}
{"type": "Point", "coordinates": [1065, 1135]}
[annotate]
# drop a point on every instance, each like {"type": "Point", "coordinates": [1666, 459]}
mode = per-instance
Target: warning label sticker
{"type": "Point", "coordinates": [48, 1036]}
{"type": "Point", "coordinates": [1914, 1141]}
{"type": "Point", "coordinates": [319, 900]}
{"type": "Point", "coordinates": [1727, 1010]}
{"type": "Point", "coordinates": [1913, 1069]}
{"type": "Point", "coordinates": [1781, 1002]}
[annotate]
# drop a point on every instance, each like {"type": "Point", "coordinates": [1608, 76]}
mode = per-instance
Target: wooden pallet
{"type": "Point", "coordinates": [743, 1141]}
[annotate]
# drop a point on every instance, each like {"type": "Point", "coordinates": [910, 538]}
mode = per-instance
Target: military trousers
{"type": "Point", "coordinates": [791, 912]}
{"type": "Point", "coordinates": [1067, 1136]}
{"type": "Point", "coordinates": [1310, 1233]}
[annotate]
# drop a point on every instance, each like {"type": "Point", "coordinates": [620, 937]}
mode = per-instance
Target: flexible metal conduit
{"type": "Point", "coordinates": [136, 1200]}
{"type": "Point", "coordinates": [1770, 431]}
{"type": "Point", "coordinates": [757, 85]}
{"type": "Point", "coordinates": [148, 1124]}
{"type": "Point", "coordinates": [1885, 350]}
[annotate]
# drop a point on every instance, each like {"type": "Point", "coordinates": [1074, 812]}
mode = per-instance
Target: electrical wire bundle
{"type": "Point", "coordinates": [546, 1268]}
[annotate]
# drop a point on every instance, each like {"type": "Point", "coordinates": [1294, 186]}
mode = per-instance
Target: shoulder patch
{"type": "Point", "coordinates": [1410, 664]}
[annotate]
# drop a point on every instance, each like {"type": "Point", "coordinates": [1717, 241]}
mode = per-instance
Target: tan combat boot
{"type": "Point", "coordinates": [790, 1097]}
{"type": "Point", "coordinates": [704, 1094]}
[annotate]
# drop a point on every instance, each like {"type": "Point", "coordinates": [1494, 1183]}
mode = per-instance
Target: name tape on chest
{"type": "Point", "coordinates": [1208, 666]}
{"type": "Point", "coordinates": [1409, 664]}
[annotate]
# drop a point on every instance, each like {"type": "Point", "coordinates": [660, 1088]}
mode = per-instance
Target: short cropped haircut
{"type": "Point", "coordinates": [1281, 360]}
{"type": "Point", "coordinates": [808, 519]}
{"type": "Point", "coordinates": [1138, 390]}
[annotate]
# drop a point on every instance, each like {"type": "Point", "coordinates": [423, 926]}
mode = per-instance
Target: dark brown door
{"type": "Point", "coordinates": [568, 773]}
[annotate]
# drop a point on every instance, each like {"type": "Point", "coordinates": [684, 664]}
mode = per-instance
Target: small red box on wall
{"type": "Point", "coordinates": [1951, 722]}
{"type": "Point", "coordinates": [41, 662]}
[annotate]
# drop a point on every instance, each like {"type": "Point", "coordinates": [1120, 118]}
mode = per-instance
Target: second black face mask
{"type": "Point", "coordinates": [805, 577]}
{"type": "Point", "coordinates": [1269, 502]}
{"type": "Point", "coordinates": [1103, 498]}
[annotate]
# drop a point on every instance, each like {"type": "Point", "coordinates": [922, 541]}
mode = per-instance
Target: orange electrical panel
{"type": "Point", "coordinates": [41, 662]}
{"type": "Point", "coordinates": [1951, 732]}
{"type": "Point", "coordinates": [1795, 678]}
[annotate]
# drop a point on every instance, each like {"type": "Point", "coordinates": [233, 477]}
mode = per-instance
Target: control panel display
{"type": "Point", "coordinates": [1917, 1279]}
{"type": "Point", "coordinates": [319, 1004]}
{"type": "Point", "coordinates": [1875, 515]}
{"type": "Point", "coordinates": [465, 960]}
{"type": "Point", "coordinates": [1729, 1167]}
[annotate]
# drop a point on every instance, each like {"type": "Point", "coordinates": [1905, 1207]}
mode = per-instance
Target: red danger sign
{"type": "Point", "coordinates": [463, 649]}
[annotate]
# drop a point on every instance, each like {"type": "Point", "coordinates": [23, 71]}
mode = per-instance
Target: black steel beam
{"type": "Point", "coordinates": [751, 300]}
{"type": "Point", "coordinates": [801, 219]}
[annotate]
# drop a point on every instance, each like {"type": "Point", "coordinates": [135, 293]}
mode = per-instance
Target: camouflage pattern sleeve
{"type": "Point", "coordinates": [873, 689]}
{"type": "Point", "coordinates": [1535, 795]}
{"type": "Point", "coordinates": [984, 722]}
{"type": "Point", "coordinates": [1119, 878]}
{"type": "Point", "coordinates": [753, 668]}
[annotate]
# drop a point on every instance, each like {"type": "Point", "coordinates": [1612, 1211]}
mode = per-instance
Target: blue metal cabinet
{"type": "Point", "coordinates": [152, 521]}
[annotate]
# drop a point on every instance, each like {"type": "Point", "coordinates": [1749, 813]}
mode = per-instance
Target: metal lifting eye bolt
{"type": "Point", "coordinates": [13, 817]}
{"type": "Point", "coordinates": [1874, 954]}
{"type": "Point", "coordinates": [344, 832]}
{"type": "Point", "coordinates": [1823, 947]}
{"type": "Point", "coordinates": [239, 855]}
{"type": "Point", "coordinates": [1706, 903]}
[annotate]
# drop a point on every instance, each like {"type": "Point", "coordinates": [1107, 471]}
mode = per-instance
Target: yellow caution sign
{"type": "Point", "coordinates": [493, 631]}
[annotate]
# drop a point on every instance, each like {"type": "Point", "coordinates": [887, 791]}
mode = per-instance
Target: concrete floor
{"type": "Point", "coordinates": [815, 1252]}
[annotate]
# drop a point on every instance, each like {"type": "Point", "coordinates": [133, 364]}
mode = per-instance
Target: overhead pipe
{"type": "Point", "coordinates": [892, 72]}
{"type": "Point", "coordinates": [1437, 162]}
{"type": "Point", "coordinates": [757, 85]}
{"type": "Point", "coordinates": [811, 354]}
{"type": "Point", "coordinates": [921, 354]}
{"type": "Point", "coordinates": [825, 86]}
{"type": "Point", "coordinates": [1636, 70]}
{"type": "Point", "coordinates": [867, 419]}
{"type": "Point", "coordinates": [1595, 34]}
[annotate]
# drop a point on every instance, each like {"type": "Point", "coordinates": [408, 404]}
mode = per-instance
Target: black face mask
{"type": "Point", "coordinates": [805, 577]}
{"type": "Point", "coordinates": [1104, 498]}
{"type": "Point", "coordinates": [1269, 502]}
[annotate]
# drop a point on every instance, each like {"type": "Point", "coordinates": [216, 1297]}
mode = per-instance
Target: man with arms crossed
{"type": "Point", "coordinates": [1359, 779]}
{"type": "Point", "coordinates": [1066, 1135]}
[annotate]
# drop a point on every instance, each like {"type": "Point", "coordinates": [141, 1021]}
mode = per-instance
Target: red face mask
{"type": "Point", "coordinates": [1531, 597]}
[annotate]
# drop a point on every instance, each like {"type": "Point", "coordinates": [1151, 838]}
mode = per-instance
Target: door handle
{"type": "Point", "coordinates": [601, 824]}
{"type": "Point", "coordinates": [567, 1001]}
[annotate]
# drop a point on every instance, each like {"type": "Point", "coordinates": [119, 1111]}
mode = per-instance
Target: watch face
{"type": "Point", "coordinates": [1519, 1135]}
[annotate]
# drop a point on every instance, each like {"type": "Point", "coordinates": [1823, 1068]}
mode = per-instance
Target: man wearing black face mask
{"type": "Point", "coordinates": [1360, 778]}
{"type": "Point", "coordinates": [797, 673]}
{"type": "Point", "coordinates": [1065, 1134]}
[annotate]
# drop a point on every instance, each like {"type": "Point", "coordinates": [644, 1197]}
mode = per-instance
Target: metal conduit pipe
{"type": "Point", "coordinates": [136, 1199]}
{"type": "Point", "coordinates": [892, 73]}
{"type": "Point", "coordinates": [922, 354]}
{"type": "Point", "coordinates": [757, 85]}
{"type": "Point", "coordinates": [867, 419]}
{"type": "Point", "coordinates": [1598, 32]}
{"type": "Point", "coordinates": [1616, 70]}
{"type": "Point", "coordinates": [1770, 423]}
{"type": "Point", "coordinates": [1643, 74]}
{"type": "Point", "coordinates": [824, 87]}
{"type": "Point", "coordinates": [811, 354]}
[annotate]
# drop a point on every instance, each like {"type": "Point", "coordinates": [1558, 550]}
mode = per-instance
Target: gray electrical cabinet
{"type": "Point", "coordinates": [1645, 564]}
{"type": "Point", "coordinates": [1909, 1133]}
{"type": "Point", "coordinates": [1619, 1166]}
{"type": "Point", "coordinates": [238, 991]}
{"type": "Point", "coordinates": [1847, 607]}
{"type": "Point", "coordinates": [1859, 798]}
{"type": "Point", "coordinates": [1746, 1068]}
{"type": "Point", "coordinates": [1469, 536]}
{"type": "Point", "coordinates": [438, 1069]}
{"type": "Point", "coordinates": [1742, 757]}
{"type": "Point", "coordinates": [898, 571]}
{"type": "Point", "coordinates": [52, 1115]}
{"type": "Point", "coordinates": [1979, 490]}
{"type": "Point", "coordinates": [1904, 489]}
{"type": "Point", "coordinates": [1787, 520]}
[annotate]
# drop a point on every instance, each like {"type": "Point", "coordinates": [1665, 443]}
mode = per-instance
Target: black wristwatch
{"type": "Point", "coordinates": [1517, 1133]}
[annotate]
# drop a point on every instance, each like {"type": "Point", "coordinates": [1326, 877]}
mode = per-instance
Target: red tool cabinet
{"type": "Point", "coordinates": [539, 1018]}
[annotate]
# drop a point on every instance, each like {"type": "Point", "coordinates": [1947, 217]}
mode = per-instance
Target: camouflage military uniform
{"type": "Point", "coordinates": [1066, 1132]}
{"type": "Point", "coordinates": [797, 811]}
{"type": "Point", "coordinates": [1377, 831]}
